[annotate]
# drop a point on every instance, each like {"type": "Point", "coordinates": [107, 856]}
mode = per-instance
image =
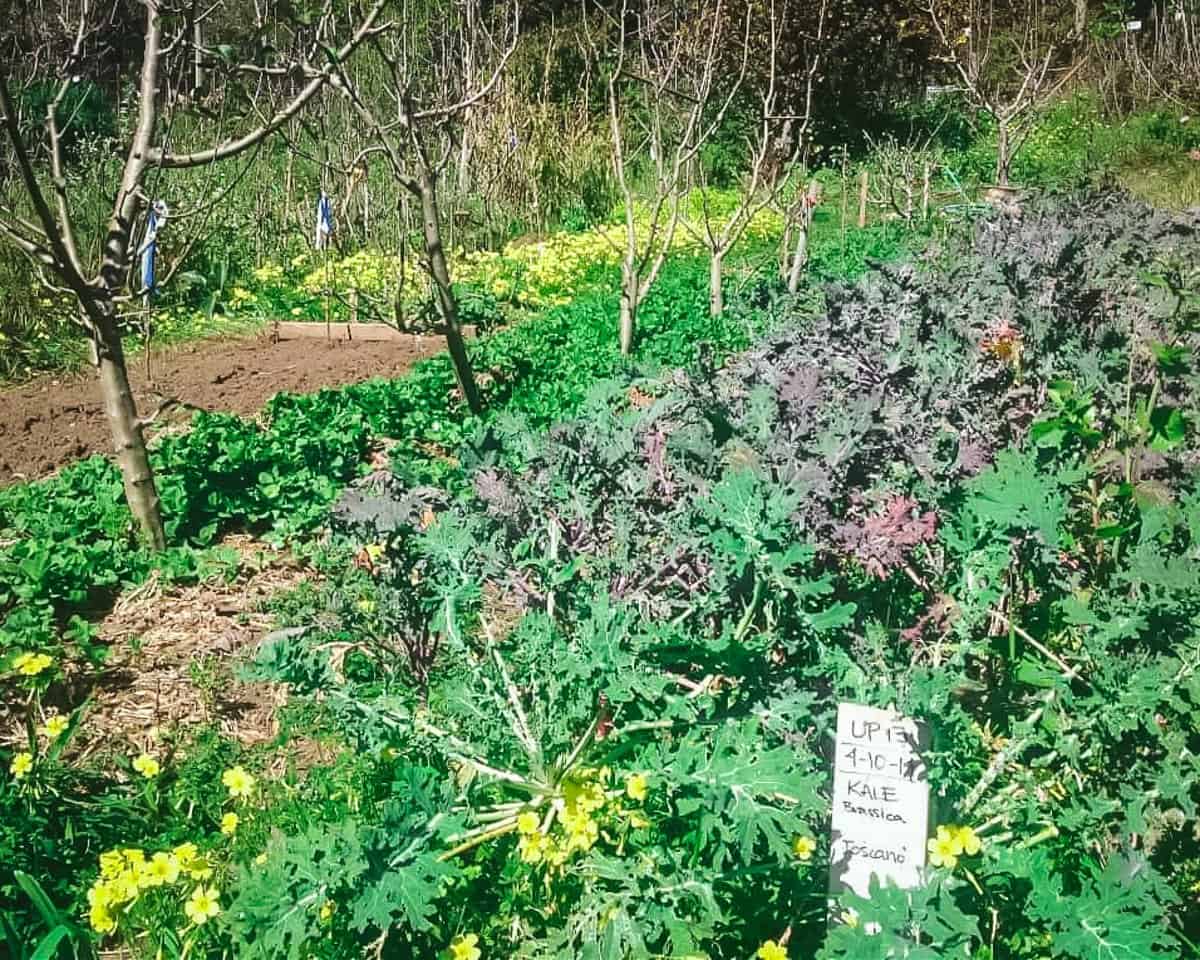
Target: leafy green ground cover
{"type": "Point", "coordinates": [585, 677]}
{"type": "Point", "coordinates": [67, 543]}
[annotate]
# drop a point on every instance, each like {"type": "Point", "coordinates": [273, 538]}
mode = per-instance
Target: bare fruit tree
{"type": "Point", "coordinates": [664, 101]}
{"type": "Point", "coordinates": [98, 274]}
{"type": "Point", "coordinates": [438, 69]}
{"type": "Point", "coordinates": [775, 145]}
{"type": "Point", "coordinates": [1009, 55]}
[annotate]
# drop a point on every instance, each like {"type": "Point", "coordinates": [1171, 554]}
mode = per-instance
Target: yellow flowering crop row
{"type": "Point", "coordinates": [541, 274]}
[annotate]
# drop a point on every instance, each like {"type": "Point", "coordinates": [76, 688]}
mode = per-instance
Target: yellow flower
{"type": "Point", "coordinates": [944, 849]}
{"type": "Point", "coordinates": [771, 951]}
{"type": "Point", "coordinates": [202, 905]}
{"type": "Point", "coordinates": [186, 854]}
{"type": "Point", "coordinates": [229, 824]}
{"type": "Point", "coordinates": [147, 766]}
{"type": "Point", "coordinates": [635, 788]}
{"type": "Point", "coordinates": [101, 918]}
{"type": "Point", "coordinates": [327, 909]}
{"type": "Point", "coordinates": [465, 947]}
{"type": "Point", "coordinates": [803, 847]}
{"type": "Point", "coordinates": [239, 782]}
{"type": "Point", "coordinates": [125, 886]}
{"type": "Point", "coordinates": [533, 847]}
{"type": "Point", "coordinates": [111, 864]}
{"type": "Point", "coordinates": [967, 839]}
{"type": "Point", "coordinates": [21, 764]}
{"type": "Point", "coordinates": [527, 823]}
{"type": "Point", "coordinates": [260, 859]}
{"type": "Point", "coordinates": [163, 868]}
{"type": "Point", "coordinates": [198, 869]}
{"type": "Point", "coordinates": [55, 725]}
{"type": "Point", "coordinates": [31, 664]}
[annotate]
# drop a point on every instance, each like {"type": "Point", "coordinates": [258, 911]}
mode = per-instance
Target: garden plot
{"type": "Point", "coordinates": [585, 678]}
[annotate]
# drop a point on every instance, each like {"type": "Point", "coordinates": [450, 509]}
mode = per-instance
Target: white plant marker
{"type": "Point", "coordinates": [880, 800]}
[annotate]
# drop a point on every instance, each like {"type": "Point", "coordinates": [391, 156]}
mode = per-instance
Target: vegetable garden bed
{"type": "Point", "coordinates": [585, 679]}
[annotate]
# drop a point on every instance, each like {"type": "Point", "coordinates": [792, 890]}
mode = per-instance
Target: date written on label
{"type": "Point", "coordinates": [880, 799]}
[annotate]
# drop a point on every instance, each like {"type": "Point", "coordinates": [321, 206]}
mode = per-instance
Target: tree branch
{"type": "Point", "coordinates": [229, 148]}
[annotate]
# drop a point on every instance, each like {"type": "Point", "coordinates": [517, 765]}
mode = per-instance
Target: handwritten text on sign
{"type": "Point", "coordinates": [880, 799]}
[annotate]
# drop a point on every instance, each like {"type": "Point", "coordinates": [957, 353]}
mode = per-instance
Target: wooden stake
{"type": "Point", "coordinates": [863, 183]}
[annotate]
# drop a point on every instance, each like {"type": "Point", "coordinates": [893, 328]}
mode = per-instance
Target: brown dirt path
{"type": "Point", "coordinates": [54, 420]}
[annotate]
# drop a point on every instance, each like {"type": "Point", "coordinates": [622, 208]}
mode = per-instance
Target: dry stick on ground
{"type": "Point", "coordinates": [51, 241]}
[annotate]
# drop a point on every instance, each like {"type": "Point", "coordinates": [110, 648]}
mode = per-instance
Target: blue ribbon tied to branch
{"type": "Point", "coordinates": [324, 221]}
{"type": "Point", "coordinates": [155, 221]}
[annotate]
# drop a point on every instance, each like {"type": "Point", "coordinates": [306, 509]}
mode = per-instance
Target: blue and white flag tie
{"type": "Point", "coordinates": [324, 222]}
{"type": "Point", "coordinates": [155, 221]}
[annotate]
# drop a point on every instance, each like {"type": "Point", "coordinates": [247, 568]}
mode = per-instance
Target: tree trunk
{"type": "Point", "coordinates": [629, 306]}
{"type": "Point", "coordinates": [1003, 159]}
{"type": "Point", "coordinates": [447, 305]}
{"type": "Point", "coordinates": [716, 298]}
{"type": "Point", "coordinates": [799, 257]}
{"type": "Point", "coordinates": [198, 77]}
{"type": "Point", "coordinates": [128, 442]}
{"type": "Point", "coordinates": [1081, 12]}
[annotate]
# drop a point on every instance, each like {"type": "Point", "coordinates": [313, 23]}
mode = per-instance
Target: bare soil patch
{"type": "Point", "coordinates": [52, 421]}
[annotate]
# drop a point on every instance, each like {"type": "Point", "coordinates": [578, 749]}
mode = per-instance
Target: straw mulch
{"type": "Point", "coordinates": [173, 654]}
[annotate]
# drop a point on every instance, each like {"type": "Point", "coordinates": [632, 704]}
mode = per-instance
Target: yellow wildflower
{"type": "Point", "coordinates": [465, 947]}
{"type": "Point", "coordinates": [55, 726]}
{"type": "Point", "coordinates": [260, 859]}
{"type": "Point", "coordinates": [771, 951]}
{"type": "Point", "coordinates": [967, 839]}
{"type": "Point", "coordinates": [124, 887]}
{"type": "Point", "coordinates": [327, 909]}
{"type": "Point", "coordinates": [99, 892]}
{"type": "Point", "coordinates": [111, 864]}
{"type": "Point", "coordinates": [533, 847]}
{"type": "Point", "coordinates": [163, 868]}
{"type": "Point", "coordinates": [635, 788]}
{"type": "Point", "coordinates": [803, 847]}
{"type": "Point", "coordinates": [229, 824]}
{"type": "Point", "coordinates": [31, 664]}
{"type": "Point", "coordinates": [101, 918]}
{"type": "Point", "coordinates": [21, 764]}
{"type": "Point", "coordinates": [202, 905]}
{"type": "Point", "coordinates": [147, 766]}
{"type": "Point", "coordinates": [239, 782]}
{"type": "Point", "coordinates": [944, 848]}
{"type": "Point", "coordinates": [186, 854]}
{"type": "Point", "coordinates": [200, 869]}
{"type": "Point", "coordinates": [527, 822]}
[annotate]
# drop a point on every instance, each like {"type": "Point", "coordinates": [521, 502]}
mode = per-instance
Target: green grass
{"type": "Point", "coordinates": [1163, 176]}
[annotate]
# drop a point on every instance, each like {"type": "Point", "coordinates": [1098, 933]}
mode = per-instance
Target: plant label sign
{"type": "Point", "coordinates": [880, 799]}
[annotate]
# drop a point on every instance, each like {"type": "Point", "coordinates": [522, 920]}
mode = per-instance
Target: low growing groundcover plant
{"type": "Point", "coordinates": [582, 696]}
